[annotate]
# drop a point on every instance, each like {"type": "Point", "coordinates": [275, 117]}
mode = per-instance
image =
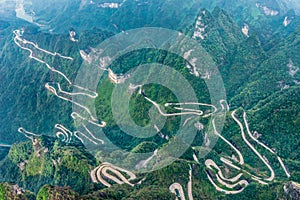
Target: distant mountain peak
{"type": "Point", "coordinates": [201, 24]}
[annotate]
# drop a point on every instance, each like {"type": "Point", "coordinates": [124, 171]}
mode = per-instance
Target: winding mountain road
{"type": "Point", "coordinates": [272, 175]}
{"type": "Point", "coordinates": [226, 191]}
{"type": "Point", "coordinates": [176, 189]}
{"type": "Point", "coordinates": [5, 145]}
{"type": "Point", "coordinates": [235, 181]}
{"type": "Point", "coordinates": [107, 171]}
{"type": "Point", "coordinates": [190, 183]}
{"type": "Point", "coordinates": [26, 133]}
{"type": "Point", "coordinates": [62, 131]}
{"type": "Point", "coordinates": [100, 174]}
{"type": "Point", "coordinates": [241, 158]}
{"type": "Point", "coordinates": [210, 164]}
{"type": "Point", "coordinates": [265, 146]}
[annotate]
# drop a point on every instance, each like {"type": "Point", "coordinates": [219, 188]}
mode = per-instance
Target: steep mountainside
{"type": "Point", "coordinates": [45, 160]}
{"type": "Point", "coordinates": [255, 46]}
{"type": "Point", "coordinates": [70, 164]}
{"type": "Point", "coordinates": [8, 191]}
{"type": "Point", "coordinates": [59, 16]}
{"type": "Point", "coordinates": [41, 113]}
{"type": "Point", "coordinates": [261, 16]}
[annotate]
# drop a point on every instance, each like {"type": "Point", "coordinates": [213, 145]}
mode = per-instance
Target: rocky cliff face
{"type": "Point", "coordinates": [9, 191]}
{"type": "Point", "coordinates": [292, 190]}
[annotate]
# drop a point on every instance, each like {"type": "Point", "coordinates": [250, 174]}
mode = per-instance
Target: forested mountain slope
{"type": "Point", "coordinates": [255, 46]}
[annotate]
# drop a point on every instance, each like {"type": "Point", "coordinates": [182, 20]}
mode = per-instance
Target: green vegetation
{"type": "Point", "coordinates": [14, 192]}
{"type": "Point", "coordinates": [59, 193]}
{"type": "Point", "coordinates": [259, 72]}
{"type": "Point", "coordinates": [48, 162]}
{"type": "Point", "coordinates": [73, 172]}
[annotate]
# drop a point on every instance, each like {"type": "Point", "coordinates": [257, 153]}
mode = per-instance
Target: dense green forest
{"type": "Point", "coordinates": [260, 72]}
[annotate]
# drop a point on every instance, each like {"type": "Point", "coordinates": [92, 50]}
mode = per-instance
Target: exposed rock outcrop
{"type": "Point", "coordinates": [292, 190]}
